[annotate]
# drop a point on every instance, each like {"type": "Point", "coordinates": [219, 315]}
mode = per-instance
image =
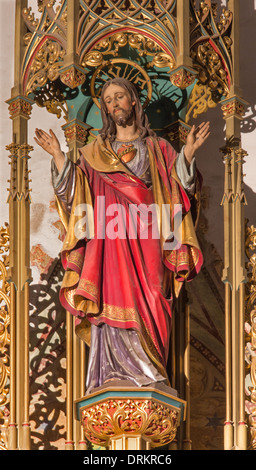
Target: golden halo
{"type": "Point", "coordinates": [121, 68]}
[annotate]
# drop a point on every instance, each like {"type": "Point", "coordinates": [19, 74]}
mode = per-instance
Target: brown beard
{"type": "Point", "coordinates": [124, 118]}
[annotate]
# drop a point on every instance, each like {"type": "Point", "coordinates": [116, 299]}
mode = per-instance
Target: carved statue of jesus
{"type": "Point", "coordinates": [121, 280]}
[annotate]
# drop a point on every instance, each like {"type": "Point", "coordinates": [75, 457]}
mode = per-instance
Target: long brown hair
{"type": "Point", "coordinates": [108, 130]}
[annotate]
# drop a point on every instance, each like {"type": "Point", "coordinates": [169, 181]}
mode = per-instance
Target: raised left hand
{"type": "Point", "coordinates": [196, 138]}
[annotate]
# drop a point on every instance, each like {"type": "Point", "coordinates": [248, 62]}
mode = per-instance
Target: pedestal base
{"type": "Point", "coordinates": [131, 418]}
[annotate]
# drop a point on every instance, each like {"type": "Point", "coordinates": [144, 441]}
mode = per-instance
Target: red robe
{"type": "Point", "coordinates": [129, 283]}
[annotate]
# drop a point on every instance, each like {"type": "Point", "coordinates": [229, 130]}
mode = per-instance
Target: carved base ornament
{"type": "Point", "coordinates": [133, 418]}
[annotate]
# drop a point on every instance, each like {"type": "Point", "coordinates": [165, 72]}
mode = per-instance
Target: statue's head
{"type": "Point", "coordinates": [132, 109]}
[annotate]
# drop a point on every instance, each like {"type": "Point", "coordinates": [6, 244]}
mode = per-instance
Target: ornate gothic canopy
{"type": "Point", "coordinates": [135, 40]}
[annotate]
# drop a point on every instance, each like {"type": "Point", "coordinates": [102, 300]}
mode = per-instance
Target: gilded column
{"type": "Point", "coordinates": [234, 275]}
{"type": "Point", "coordinates": [4, 336]}
{"type": "Point", "coordinates": [227, 279]}
{"type": "Point", "coordinates": [182, 77]}
{"type": "Point", "coordinates": [19, 271]}
{"type": "Point", "coordinates": [252, 416]}
{"type": "Point", "coordinates": [72, 74]}
{"type": "Point", "coordinates": [250, 316]}
{"type": "Point", "coordinates": [241, 277]}
{"type": "Point", "coordinates": [183, 74]}
{"type": "Point", "coordinates": [181, 365]}
{"type": "Point", "coordinates": [187, 443]}
{"type": "Point", "coordinates": [19, 278]}
{"type": "Point", "coordinates": [69, 443]}
{"type": "Point", "coordinates": [76, 134]}
{"type": "Point", "coordinates": [183, 57]}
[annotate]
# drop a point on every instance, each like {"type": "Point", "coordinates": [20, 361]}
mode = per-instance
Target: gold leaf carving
{"type": "Point", "coordinates": [210, 46]}
{"type": "Point", "coordinates": [155, 421]}
{"type": "Point", "coordinates": [200, 100]}
{"type": "Point", "coordinates": [46, 65]}
{"type": "Point", "coordinates": [51, 97]}
{"type": "Point", "coordinates": [4, 334]}
{"type": "Point", "coordinates": [250, 316]}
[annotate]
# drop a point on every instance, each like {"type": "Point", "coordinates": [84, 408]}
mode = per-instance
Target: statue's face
{"type": "Point", "coordinates": [119, 104]}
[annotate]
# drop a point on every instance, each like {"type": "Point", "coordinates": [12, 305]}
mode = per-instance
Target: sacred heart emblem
{"type": "Point", "coordinates": [126, 152]}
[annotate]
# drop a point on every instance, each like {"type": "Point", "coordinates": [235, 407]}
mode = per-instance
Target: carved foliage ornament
{"type": "Point", "coordinates": [4, 334]}
{"type": "Point", "coordinates": [250, 316]}
{"type": "Point", "coordinates": [106, 67]}
{"type": "Point", "coordinates": [46, 47]}
{"type": "Point", "coordinates": [154, 421]}
{"type": "Point", "coordinates": [212, 70]}
{"type": "Point", "coordinates": [250, 246]}
{"type": "Point", "coordinates": [149, 16]}
{"type": "Point", "coordinates": [52, 98]}
{"type": "Point", "coordinates": [210, 43]}
{"type": "Point", "coordinates": [52, 20]}
{"type": "Point", "coordinates": [147, 28]}
{"type": "Point", "coordinates": [211, 46]}
{"type": "Point", "coordinates": [111, 45]}
{"type": "Point", "coordinates": [199, 101]}
{"type": "Point", "coordinates": [46, 65]}
{"type": "Point", "coordinates": [106, 61]}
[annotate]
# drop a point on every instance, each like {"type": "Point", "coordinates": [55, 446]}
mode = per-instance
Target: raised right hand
{"type": "Point", "coordinates": [48, 142]}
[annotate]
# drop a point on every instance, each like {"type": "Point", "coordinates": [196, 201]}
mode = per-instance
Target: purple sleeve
{"type": "Point", "coordinates": [64, 183]}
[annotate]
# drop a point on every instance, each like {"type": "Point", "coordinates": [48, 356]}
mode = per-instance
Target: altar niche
{"type": "Point", "coordinates": [183, 58]}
